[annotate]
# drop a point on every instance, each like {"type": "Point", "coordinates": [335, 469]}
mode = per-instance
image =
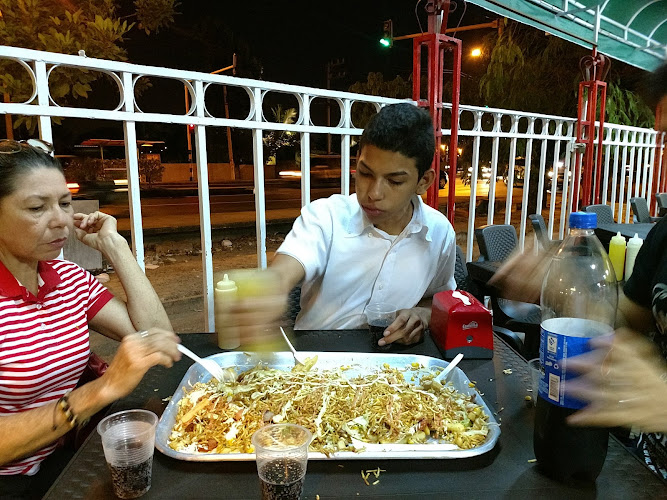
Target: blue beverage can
{"type": "Point", "coordinates": [561, 339]}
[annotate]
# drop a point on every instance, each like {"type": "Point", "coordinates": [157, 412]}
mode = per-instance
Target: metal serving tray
{"type": "Point", "coordinates": [359, 363]}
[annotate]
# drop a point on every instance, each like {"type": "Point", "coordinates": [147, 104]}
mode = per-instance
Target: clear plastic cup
{"type": "Point", "coordinates": [128, 439]}
{"type": "Point", "coordinates": [379, 316]}
{"type": "Point", "coordinates": [281, 451]}
{"type": "Point", "coordinates": [535, 374]}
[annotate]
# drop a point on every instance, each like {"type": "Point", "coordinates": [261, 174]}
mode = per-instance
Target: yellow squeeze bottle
{"type": "Point", "coordinates": [617, 254]}
{"type": "Point", "coordinates": [225, 295]}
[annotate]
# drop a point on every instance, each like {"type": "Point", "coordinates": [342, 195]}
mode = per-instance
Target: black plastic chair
{"type": "Point", "coordinates": [640, 211]}
{"type": "Point", "coordinates": [496, 243]}
{"type": "Point", "coordinates": [661, 200]}
{"type": "Point", "coordinates": [463, 282]}
{"type": "Point", "coordinates": [605, 215]}
{"type": "Point", "coordinates": [293, 306]}
{"type": "Point", "coordinates": [540, 229]}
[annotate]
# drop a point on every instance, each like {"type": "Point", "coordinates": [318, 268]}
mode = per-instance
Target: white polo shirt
{"type": "Point", "coordinates": [349, 263]}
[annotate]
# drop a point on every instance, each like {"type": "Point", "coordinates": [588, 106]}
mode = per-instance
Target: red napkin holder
{"type": "Point", "coordinates": [461, 324]}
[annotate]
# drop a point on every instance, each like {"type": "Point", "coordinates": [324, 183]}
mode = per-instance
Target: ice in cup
{"type": "Point", "coordinates": [379, 316]}
{"type": "Point", "coordinates": [535, 374]}
{"type": "Point", "coordinates": [128, 439]}
{"type": "Point", "coordinates": [282, 457]}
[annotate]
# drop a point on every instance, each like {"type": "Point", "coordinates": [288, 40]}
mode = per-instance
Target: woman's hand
{"type": "Point", "coordinates": [136, 354]}
{"type": "Point", "coordinates": [624, 382]}
{"type": "Point", "coordinates": [92, 229]}
{"type": "Point", "coordinates": [408, 327]}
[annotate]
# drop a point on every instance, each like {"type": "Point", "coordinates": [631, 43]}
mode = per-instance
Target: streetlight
{"type": "Point", "coordinates": [476, 52]}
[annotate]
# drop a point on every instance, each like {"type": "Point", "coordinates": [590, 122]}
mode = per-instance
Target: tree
{"type": "Point", "coordinates": [627, 108]}
{"type": "Point", "coordinates": [69, 26]}
{"type": "Point", "coordinates": [278, 139]}
{"type": "Point", "coordinates": [375, 84]}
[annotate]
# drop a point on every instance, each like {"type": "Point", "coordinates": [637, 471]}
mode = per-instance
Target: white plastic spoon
{"type": "Point", "coordinates": [223, 375]}
{"type": "Point", "coordinates": [291, 348]}
{"type": "Point", "coordinates": [442, 376]}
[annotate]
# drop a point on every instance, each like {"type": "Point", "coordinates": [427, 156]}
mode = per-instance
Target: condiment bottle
{"type": "Point", "coordinates": [617, 254]}
{"type": "Point", "coordinates": [225, 295]}
{"type": "Point", "coordinates": [634, 244]}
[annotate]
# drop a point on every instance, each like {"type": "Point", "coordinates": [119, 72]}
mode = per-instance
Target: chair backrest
{"type": "Point", "coordinates": [460, 269]}
{"type": "Point", "coordinates": [293, 306]}
{"type": "Point", "coordinates": [540, 229]}
{"type": "Point", "coordinates": [661, 199]}
{"type": "Point", "coordinates": [463, 280]}
{"type": "Point", "coordinates": [496, 241]}
{"type": "Point", "coordinates": [605, 215]}
{"type": "Point", "coordinates": [640, 209]}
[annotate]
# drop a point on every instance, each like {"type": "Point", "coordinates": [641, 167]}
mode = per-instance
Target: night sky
{"type": "Point", "coordinates": [286, 42]}
{"type": "Point", "coordinates": [293, 40]}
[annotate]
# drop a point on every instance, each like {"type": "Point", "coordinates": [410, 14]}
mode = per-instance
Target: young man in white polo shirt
{"type": "Point", "coordinates": [381, 244]}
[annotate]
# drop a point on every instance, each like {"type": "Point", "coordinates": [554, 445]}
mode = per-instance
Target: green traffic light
{"type": "Point", "coordinates": [385, 42]}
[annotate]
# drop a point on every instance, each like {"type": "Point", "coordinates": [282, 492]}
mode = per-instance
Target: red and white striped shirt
{"type": "Point", "coordinates": [44, 341]}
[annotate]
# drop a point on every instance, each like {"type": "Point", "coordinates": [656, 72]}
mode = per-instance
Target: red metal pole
{"type": "Point", "coordinates": [454, 137]}
{"type": "Point", "coordinates": [578, 155]}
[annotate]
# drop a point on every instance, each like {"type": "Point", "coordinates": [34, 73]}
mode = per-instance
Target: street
{"type": "Point", "coordinates": [172, 209]}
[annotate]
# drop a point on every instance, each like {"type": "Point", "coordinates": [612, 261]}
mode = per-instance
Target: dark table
{"type": "Point", "coordinates": [605, 232]}
{"type": "Point", "coordinates": [481, 271]}
{"type": "Point", "coordinates": [504, 472]}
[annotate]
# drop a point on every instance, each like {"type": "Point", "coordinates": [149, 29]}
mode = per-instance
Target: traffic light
{"type": "Point", "coordinates": [387, 39]}
{"type": "Point", "coordinates": [191, 127]}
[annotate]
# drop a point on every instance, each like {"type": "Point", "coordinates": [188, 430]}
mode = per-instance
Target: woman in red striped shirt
{"type": "Point", "coordinates": [46, 308]}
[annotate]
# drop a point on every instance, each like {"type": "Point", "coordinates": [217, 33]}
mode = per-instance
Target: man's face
{"type": "Point", "coordinates": [385, 183]}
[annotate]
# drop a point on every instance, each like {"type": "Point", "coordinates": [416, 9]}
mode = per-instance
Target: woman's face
{"type": "Point", "coordinates": [36, 218]}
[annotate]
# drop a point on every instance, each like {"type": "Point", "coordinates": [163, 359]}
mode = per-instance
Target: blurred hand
{"type": "Point", "coordinates": [520, 277]}
{"type": "Point", "coordinates": [91, 229]}
{"type": "Point", "coordinates": [136, 354]}
{"type": "Point", "coordinates": [407, 328]}
{"type": "Point", "coordinates": [623, 380]}
{"type": "Point", "coordinates": [256, 318]}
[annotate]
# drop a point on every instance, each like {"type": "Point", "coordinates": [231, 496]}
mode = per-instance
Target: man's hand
{"type": "Point", "coordinates": [408, 327]}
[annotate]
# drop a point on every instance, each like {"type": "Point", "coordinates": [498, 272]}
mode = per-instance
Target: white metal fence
{"type": "Point", "coordinates": [499, 135]}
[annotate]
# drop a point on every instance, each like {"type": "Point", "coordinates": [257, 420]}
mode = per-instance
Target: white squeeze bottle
{"type": "Point", "coordinates": [617, 254]}
{"type": "Point", "coordinates": [225, 295]}
{"type": "Point", "coordinates": [634, 244]}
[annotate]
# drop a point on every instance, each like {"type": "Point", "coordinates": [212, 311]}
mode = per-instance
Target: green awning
{"type": "Point", "coordinates": [632, 31]}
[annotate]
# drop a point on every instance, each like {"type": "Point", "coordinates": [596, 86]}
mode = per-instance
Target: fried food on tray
{"type": "Point", "coordinates": [379, 407]}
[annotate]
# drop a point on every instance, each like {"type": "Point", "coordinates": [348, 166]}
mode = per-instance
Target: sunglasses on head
{"type": "Point", "coordinates": [9, 146]}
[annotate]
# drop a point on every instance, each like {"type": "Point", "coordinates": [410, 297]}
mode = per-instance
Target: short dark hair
{"type": "Point", "coordinates": [654, 87]}
{"type": "Point", "coordinates": [19, 163]}
{"type": "Point", "coordinates": [402, 128]}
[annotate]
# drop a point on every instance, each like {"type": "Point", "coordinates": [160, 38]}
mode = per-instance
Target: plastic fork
{"type": "Point", "coordinates": [216, 371]}
{"type": "Point", "coordinates": [297, 361]}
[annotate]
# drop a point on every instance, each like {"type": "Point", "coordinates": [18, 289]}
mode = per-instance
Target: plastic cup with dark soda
{"type": "Point", "coordinates": [379, 316]}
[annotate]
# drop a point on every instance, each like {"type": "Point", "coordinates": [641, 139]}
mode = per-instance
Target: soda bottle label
{"type": "Point", "coordinates": [560, 339]}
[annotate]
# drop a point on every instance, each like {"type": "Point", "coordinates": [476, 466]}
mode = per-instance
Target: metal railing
{"type": "Point", "coordinates": [544, 141]}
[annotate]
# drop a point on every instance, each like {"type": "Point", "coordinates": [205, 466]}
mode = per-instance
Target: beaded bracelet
{"type": "Point", "coordinates": [72, 419]}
